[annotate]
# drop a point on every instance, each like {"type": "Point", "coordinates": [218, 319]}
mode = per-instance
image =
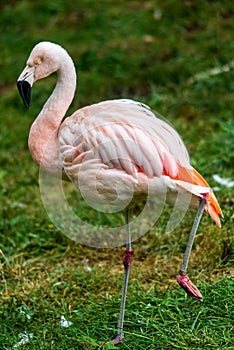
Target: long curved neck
{"type": "Point", "coordinates": [43, 136]}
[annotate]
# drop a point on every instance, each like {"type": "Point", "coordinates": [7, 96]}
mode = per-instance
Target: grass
{"type": "Point", "coordinates": [141, 50]}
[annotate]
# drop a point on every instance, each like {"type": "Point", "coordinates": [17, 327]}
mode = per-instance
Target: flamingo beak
{"type": "Point", "coordinates": [189, 287]}
{"type": "Point", "coordinates": [25, 92]}
{"type": "Point", "coordinates": [24, 84]}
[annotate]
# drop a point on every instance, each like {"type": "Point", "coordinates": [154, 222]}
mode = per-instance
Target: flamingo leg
{"type": "Point", "coordinates": [127, 260]}
{"type": "Point", "coordinates": [183, 279]}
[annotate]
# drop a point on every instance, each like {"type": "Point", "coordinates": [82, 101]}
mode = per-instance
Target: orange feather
{"type": "Point", "coordinates": [192, 176]}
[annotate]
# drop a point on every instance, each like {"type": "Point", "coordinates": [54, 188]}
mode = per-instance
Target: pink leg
{"type": "Point", "coordinates": [127, 261]}
{"type": "Point", "coordinates": [183, 279]}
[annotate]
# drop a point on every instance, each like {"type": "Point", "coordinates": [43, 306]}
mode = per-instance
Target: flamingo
{"type": "Point", "coordinates": [133, 147]}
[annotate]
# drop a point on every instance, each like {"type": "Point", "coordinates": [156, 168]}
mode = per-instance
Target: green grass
{"type": "Point", "coordinates": [154, 319]}
{"type": "Point", "coordinates": [142, 50]}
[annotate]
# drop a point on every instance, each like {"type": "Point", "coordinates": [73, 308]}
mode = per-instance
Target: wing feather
{"type": "Point", "coordinates": [126, 135]}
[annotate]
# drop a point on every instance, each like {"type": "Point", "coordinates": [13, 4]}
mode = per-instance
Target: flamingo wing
{"type": "Point", "coordinates": [115, 144]}
{"type": "Point", "coordinates": [124, 135]}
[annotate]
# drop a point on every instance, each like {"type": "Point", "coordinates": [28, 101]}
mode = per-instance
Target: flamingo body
{"type": "Point", "coordinates": [113, 152]}
{"type": "Point", "coordinates": [113, 144]}
{"type": "Point", "coordinates": [107, 146]}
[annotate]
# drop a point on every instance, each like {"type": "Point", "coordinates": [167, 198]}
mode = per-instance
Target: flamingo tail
{"type": "Point", "coordinates": [192, 176]}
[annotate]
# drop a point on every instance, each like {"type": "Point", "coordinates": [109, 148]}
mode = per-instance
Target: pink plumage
{"type": "Point", "coordinates": [116, 144]}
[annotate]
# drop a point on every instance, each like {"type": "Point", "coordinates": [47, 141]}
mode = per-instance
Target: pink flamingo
{"type": "Point", "coordinates": [66, 146]}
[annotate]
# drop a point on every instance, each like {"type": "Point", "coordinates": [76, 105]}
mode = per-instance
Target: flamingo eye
{"type": "Point", "coordinates": [37, 62]}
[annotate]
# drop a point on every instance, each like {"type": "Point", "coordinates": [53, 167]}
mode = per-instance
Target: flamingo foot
{"type": "Point", "coordinates": [189, 287]}
{"type": "Point", "coordinates": [118, 339]}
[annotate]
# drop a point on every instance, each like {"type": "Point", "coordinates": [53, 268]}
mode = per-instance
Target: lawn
{"type": "Point", "coordinates": [177, 57]}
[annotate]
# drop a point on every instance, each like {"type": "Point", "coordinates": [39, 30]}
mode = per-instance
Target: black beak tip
{"type": "Point", "coordinates": [25, 92]}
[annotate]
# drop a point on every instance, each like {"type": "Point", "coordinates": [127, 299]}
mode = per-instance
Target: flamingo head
{"type": "Point", "coordinates": [45, 59]}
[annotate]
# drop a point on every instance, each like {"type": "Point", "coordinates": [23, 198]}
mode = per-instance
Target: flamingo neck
{"type": "Point", "coordinates": [43, 137]}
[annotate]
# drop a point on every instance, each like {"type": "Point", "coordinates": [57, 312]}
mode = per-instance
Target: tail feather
{"type": "Point", "coordinates": [213, 206]}
{"type": "Point", "coordinates": [192, 176]}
